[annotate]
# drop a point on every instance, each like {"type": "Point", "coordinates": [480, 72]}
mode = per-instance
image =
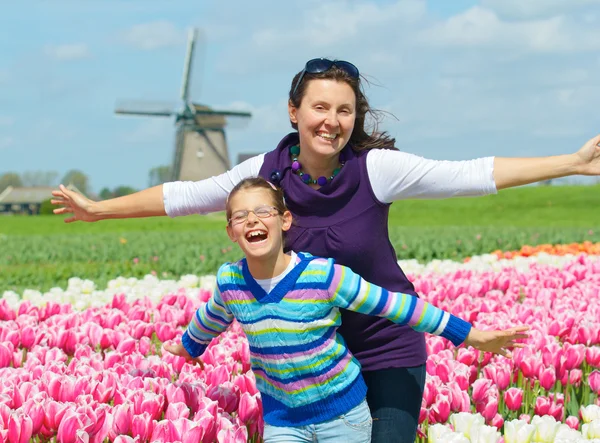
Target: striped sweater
{"type": "Point", "coordinates": [304, 371]}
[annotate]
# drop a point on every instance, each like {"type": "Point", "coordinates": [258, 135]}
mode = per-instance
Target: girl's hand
{"type": "Point", "coordinates": [588, 157]}
{"type": "Point", "coordinates": [74, 203]}
{"type": "Point", "coordinates": [497, 342]}
{"type": "Point", "coordinates": [179, 350]}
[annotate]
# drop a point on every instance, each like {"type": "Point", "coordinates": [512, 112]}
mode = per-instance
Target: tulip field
{"type": "Point", "coordinates": [84, 363]}
{"type": "Point", "coordinates": [86, 309]}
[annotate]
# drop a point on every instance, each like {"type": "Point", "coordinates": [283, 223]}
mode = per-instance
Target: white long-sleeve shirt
{"type": "Point", "coordinates": [394, 175]}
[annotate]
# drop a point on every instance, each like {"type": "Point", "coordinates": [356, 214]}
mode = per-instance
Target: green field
{"type": "Point", "coordinates": [42, 252]}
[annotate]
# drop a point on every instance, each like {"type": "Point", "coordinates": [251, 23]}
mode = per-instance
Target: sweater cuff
{"type": "Point", "coordinates": [457, 330]}
{"type": "Point", "coordinates": [194, 348]}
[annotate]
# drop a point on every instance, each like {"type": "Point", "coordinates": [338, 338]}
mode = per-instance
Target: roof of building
{"type": "Point", "coordinates": [29, 194]}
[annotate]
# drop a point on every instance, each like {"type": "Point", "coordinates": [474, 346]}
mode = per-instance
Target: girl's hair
{"type": "Point", "coordinates": [360, 139]}
{"type": "Point", "coordinates": [258, 183]}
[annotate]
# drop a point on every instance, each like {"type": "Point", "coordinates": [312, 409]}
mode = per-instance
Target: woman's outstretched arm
{"type": "Point", "coordinates": [510, 172]}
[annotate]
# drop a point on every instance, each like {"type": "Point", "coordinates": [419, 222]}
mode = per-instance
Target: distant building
{"type": "Point", "coordinates": [26, 200]}
{"type": "Point", "coordinates": [245, 156]}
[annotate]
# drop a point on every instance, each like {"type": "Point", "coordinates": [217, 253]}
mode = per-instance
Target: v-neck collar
{"type": "Point", "coordinates": [283, 287]}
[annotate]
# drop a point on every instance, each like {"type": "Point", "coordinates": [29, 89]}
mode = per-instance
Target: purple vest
{"type": "Point", "coordinates": [345, 221]}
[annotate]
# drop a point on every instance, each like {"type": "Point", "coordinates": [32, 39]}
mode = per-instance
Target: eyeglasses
{"type": "Point", "coordinates": [319, 65]}
{"type": "Point", "coordinates": [239, 217]}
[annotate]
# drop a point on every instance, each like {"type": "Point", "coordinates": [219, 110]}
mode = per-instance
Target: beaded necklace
{"type": "Point", "coordinates": [306, 178]}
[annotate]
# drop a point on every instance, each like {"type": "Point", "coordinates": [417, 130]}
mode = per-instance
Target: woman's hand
{"type": "Point", "coordinates": [74, 203]}
{"type": "Point", "coordinates": [497, 342]}
{"type": "Point", "coordinates": [589, 157]}
{"type": "Point", "coordinates": [179, 350]}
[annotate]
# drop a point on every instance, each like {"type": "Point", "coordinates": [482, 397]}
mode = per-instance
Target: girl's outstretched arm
{"type": "Point", "coordinates": [146, 203]}
{"type": "Point", "coordinates": [350, 291]}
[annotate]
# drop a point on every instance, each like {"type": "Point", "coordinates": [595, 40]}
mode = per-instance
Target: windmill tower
{"type": "Point", "coordinates": [200, 145]}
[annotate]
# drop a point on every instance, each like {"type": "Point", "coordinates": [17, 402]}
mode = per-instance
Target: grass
{"type": "Point", "coordinates": [42, 252]}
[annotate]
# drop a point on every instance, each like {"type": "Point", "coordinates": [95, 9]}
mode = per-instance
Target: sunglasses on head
{"type": "Point", "coordinates": [319, 65]}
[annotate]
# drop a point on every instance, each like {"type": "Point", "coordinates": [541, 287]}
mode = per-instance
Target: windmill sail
{"type": "Point", "coordinates": [200, 149]}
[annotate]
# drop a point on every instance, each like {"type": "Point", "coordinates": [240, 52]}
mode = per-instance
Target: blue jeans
{"type": "Point", "coordinates": [352, 427]}
{"type": "Point", "coordinates": [394, 396]}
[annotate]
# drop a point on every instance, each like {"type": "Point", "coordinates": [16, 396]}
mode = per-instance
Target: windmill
{"type": "Point", "coordinates": [200, 144]}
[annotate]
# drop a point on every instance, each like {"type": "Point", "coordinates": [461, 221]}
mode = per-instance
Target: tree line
{"type": "Point", "coordinates": [79, 179]}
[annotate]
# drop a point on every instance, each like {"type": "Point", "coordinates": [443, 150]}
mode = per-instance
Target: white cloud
{"type": "Point", "coordinates": [482, 28]}
{"type": "Point", "coordinates": [74, 51]}
{"type": "Point", "coordinates": [334, 22]}
{"type": "Point", "coordinates": [528, 9]}
{"type": "Point", "coordinates": [154, 35]}
{"type": "Point", "coordinates": [6, 142]}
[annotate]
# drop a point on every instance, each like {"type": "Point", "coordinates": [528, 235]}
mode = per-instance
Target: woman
{"type": "Point", "coordinates": [344, 214]}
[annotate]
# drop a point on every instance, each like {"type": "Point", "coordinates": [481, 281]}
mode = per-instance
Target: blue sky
{"type": "Point", "coordinates": [463, 78]}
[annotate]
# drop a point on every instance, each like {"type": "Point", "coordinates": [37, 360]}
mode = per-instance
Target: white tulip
{"type": "Point", "coordinates": [566, 433]}
{"type": "Point", "coordinates": [455, 437]}
{"type": "Point", "coordinates": [464, 422]}
{"type": "Point", "coordinates": [518, 431]}
{"type": "Point", "coordinates": [546, 428]}
{"type": "Point", "coordinates": [485, 434]}
{"type": "Point", "coordinates": [590, 413]}
{"type": "Point", "coordinates": [591, 429]}
{"type": "Point", "coordinates": [437, 433]}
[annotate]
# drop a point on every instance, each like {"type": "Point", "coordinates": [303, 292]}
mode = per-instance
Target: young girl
{"type": "Point", "coordinates": [289, 307]}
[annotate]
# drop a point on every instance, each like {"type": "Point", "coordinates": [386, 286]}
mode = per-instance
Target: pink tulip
{"type": "Point", "coordinates": [547, 378]}
{"type": "Point", "coordinates": [542, 405]}
{"type": "Point", "coordinates": [592, 356]}
{"type": "Point", "coordinates": [513, 398]}
{"type": "Point", "coordinates": [35, 410]}
{"type": "Point", "coordinates": [226, 395]}
{"type": "Point", "coordinates": [233, 435]}
{"type": "Point", "coordinates": [69, 425]}
{"type": "Point", "coordinates": [142, 426]}
{"type": "Point", "coordinates": [250, 412]}
{"type": "Point", "coordinates": [20, 427]}
{"type": "Point", "coordinates": [441, 409]}
{"type": "Point", "coordinates": [165, 331]}
{"type": "Point", "coordinates": [530, 366]}
{"type": "Point", "coordinates": [575, 355]}
{"type": "Point", "coordinates": [481, 389]}
{"type": "Point", "coordinates": [177, 410]}
{"type": "Point", "coordinates": [498, 374]}
{"type": "Point", "coordinates": [497, 421]}
{"type": "Point", "coordinates": [246, 383]}
{"type": "Point", "coordinates": [126, 439]}
{"type": "Point", "coordinates": [442, 370]}
{"type": "Point", "coordinates": [575, 376]}
{"type": "Point", "coordinates": [28, 337]}
{"type": "Point", "coordinates": [122, 419]}
{"type": "Point", "coordinates": [594, 381]}
{"type": "Point", "coordinates": [54, 413]}
{"type": "Point", "coordinates": [488, 409]}
{"type": "Point", "coordinates": [525, 417]}
{"type": "Point", "coordinates": [572, 422]}
{"type": "Point", "coordinates": [429, 394]}
{"type": "Point", "coordinates": [6, 355]}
